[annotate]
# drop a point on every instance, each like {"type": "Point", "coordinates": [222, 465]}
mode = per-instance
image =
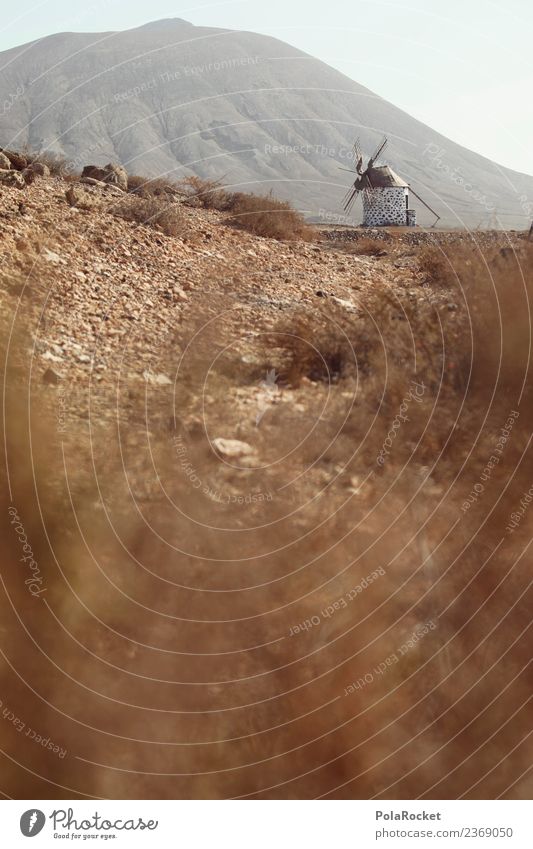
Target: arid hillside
{"type": "Point", "coordinates": [266, 500]}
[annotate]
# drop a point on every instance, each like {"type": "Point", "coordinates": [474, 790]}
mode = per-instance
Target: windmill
{"type": "Point", "coordinates": [385, 194]}
{"type": "Point", "coordinates": [364, 181]}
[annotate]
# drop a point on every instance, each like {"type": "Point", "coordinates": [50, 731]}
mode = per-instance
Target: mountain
{"type": "Point", "coordinates": [172, 98]}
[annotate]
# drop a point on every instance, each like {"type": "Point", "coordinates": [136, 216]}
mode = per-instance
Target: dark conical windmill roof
{"type": "Point", "coordinates": [383, 177]}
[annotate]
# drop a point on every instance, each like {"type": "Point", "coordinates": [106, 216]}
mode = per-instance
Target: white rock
{"type": "Point", "coordinates": [342, 302]}
{"type": "Point", "coordinates": [157, 379]}
{"type": "Point", "coordinates": [232, 447]}
{"type": "Point", "coordinates": [51, 256]}
{"type": "Point", "coordinates": [52, 357]}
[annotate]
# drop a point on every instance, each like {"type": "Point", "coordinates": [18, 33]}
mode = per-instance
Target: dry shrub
{"type": "Point", "coordinates": [263, 216]}
{"type": "Point", "coordinates": [153, 211]}
{"type": "Point", "coordinates": [314, 349]}
{"type": "Point", "coordinates": [436, 266]}
{"type": "Point", "coordinates": [137, 185]}
{"type": "Point", "coordinates": [267, 216]}
{"type": "Point", "coordinates": [389, 329]}
{"type": "Point", "coordinates": [367, 247]}
{"type": "Point", "coordinates": [207, 193]}
{"type": "Point", "coordinates": [156, 186]}
{"type": "Point", "coordinates": [369, 362]}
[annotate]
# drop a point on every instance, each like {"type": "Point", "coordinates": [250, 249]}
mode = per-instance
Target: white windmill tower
{"type": "Point", "coordinates": [385, 194]}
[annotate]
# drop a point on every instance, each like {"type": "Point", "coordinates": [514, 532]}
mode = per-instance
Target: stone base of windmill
{"type": "Point", "coordinates": [385, 207]}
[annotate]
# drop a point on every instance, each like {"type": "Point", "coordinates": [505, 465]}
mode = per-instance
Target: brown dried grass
{"type": "Point", "coordinates": [269, 217]}
{"type": "Point", "coordinates": [153, 211]}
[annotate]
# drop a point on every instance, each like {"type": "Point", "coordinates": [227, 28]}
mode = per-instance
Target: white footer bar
{"type": "Point", "coordinates": [267, 824]}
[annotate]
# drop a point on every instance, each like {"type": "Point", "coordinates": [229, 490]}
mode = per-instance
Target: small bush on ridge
{"type": "Point", "coordinates": [267, 216]}
{"type": "Point", "coordinates": [152, 211]}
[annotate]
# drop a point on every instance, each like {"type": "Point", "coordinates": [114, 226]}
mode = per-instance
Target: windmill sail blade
{"type": "Point", "coordinates": [379, 151]}
{"type": "Point", "coordinates": [358, 156]}
{"type": "Point", "coordinates": [348, 204]}
{"type": "Point", "coordinates": [351, 204]}
{"type": "Point", "coordinates": [351, 199]}
{"type": "Point", "coordinates": [346, 198]}
{"type": "Point", "coordinates": [347, 195]}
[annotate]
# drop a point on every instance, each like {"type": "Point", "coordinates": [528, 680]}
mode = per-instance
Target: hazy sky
{"type": "Point", "coordinates": [462, 66]}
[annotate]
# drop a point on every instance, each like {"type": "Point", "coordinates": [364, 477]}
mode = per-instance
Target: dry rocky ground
{"type": "Point", "coordinates": [110, 305]}
{"type": "Point", "coordinates": [194, 427]}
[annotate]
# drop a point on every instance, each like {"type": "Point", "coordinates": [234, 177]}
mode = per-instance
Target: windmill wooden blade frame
{"type": "Point", "coordinates": [381, 147]}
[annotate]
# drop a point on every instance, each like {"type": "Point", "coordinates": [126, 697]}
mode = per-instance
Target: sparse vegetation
{"type": "Point", "coordinates": [207, 193]}
{"type": "Point", "coordinates": [153, 211]}
{"type": "Point", "coordinates": [437, 267]}
{"type": "Point", "coordinates": [263, 215]}
{"type": "Point", "coordinates": [366, 247]}
{"type": "Point", "coordinates": [270, 217]}
{"type": "Point", "coordinates": [148, 186]}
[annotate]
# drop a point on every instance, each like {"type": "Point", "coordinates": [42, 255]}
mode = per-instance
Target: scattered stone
{"type": "Point", "coordinates": [113, 190]}
{"type": "Point", "coordinates": [53, 358]}
{"type": "Point", "coordinates": [51, 256]}
{"type": "Point", "coordinates": [157, 379]}
{"type": "Point", "coordinates": [93, 172]}
{"type": "Point", "coordinates": [347, 305]}
{"type": "Point", "coordinates": [39, 168]}
{"type": "Point", "coordinates": [115, 175]}
{"type": "Point", "coordinates": [17, 160]}
{"type": "Point", "coordinates": [12, 178]}
{"type": "Point", "coordinates": [92, 181]}
{"type": "Point", "coordinates": [99, 184]}
{"type": "Point", "coordinates": [5, 164]}
{"type": "Point", "coordinates": [232, 448]}
{"type": "Point", "coordinates": [80, 198]}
